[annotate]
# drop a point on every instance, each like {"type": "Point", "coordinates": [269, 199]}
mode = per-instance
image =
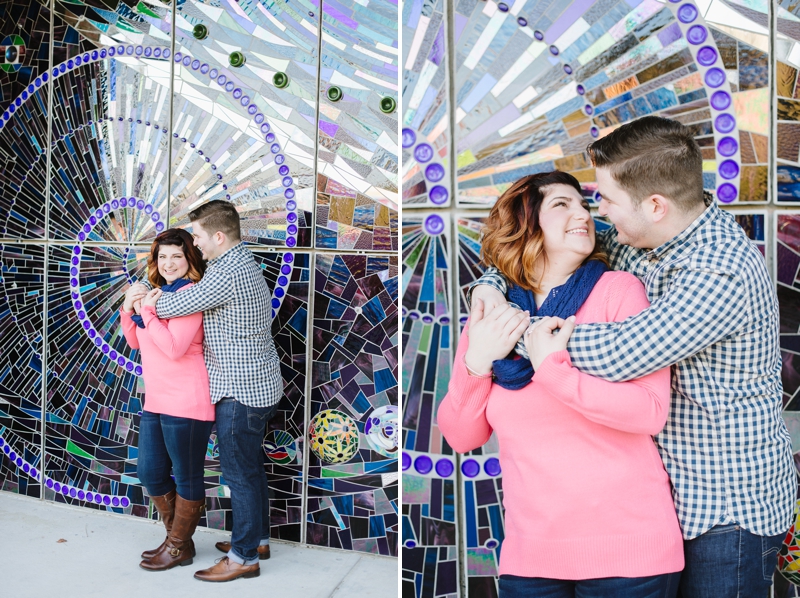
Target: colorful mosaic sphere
{"type": "Point", "coordinates": [333, 436]}
{"type": "Point", "coordinates": [789, 555]}
{"type": "Point", "coordinates": [280, 447]}
{"type": "Point", "coordinates": [381, 430]}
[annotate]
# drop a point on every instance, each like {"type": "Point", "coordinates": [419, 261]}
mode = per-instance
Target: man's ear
{"type": "Point", "coordinates": [219, 237]}
{"type": "Point", "coordinates": [658, 207]}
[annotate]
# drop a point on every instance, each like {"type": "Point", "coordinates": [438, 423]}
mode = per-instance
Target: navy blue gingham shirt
{"type": "Point", "coordinates": [238, 348]}
{"type": "Point", "coordinates": [714, 316]}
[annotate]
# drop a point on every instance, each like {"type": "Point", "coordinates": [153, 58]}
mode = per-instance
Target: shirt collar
{"type": "Point", "coordinates": [224, 254]}
{"type": "Point", "coordinates": [710, 213]}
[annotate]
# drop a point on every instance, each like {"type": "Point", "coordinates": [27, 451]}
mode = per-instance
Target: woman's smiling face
{"type": "Point", "coordinates": [566, 224]}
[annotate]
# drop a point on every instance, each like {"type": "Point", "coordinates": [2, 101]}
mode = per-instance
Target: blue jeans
{"type": "Point", "coordinates": [172, 443]}
{"type": "Point", "coordinates": [728, 561]}
{"type": "Point", "coordinates": [240, 434]}
{"type": "Point", "coordinates": [655, 586]}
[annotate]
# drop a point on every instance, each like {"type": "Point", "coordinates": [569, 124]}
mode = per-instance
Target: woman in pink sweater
{"type": "Point", "coordinates": [178, 414]}
{"type": "Point", "coordinates": [588, 506]}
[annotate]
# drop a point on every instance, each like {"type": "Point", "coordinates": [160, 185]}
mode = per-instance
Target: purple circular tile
{"type": "Point", "coordinates": [726, 193]}
{"type": "Point", "coordinates": [729, 169]}
{"type": "Point", "coordinates": [554, 50]}
{"type": "Point", "coordinates": [444, 468]}
{"type": "Point", "coordinates": [409, 137]}
{"type": "Point", "coordinates": [725, 123]}
{"type": "Point", "coordinates": [410, 544]}
{"type": "Point", "coordinates": [423, 153]}
{"type": "Point", "coordinates": [470, 468]}
{"type": "Point", "coordinates": [124, 501]}
{"type": "Point", "coordinates": [706, 56]}
{"type": "Point", "coordinates": [538, 35]}
{"type": "Point", "coordinates": [727, 146]}
{"type": "Point", "coordinates": [438, 195]}
{"type": "Point", "coordinates": [522, 21]}
{"type": "Point", "coordinates": [580, 89]}
{"type": "Point", "coordinates": [715, 77]}
{"type": "Point", "coordinates": [434, 172]}
{"type": "Point", "coordinates": [502, 7]}
{"type": "Point", "coordinates": [720, 100]}
{"type": "Point", "coordinates": [696, 34]}
{"type": "Point", "coordinates": [588, 109]}
{"type": "Point", "coordinates": [687, 13]}
{"type": "Point", "coordinates": [434, 225]}
{"type": "Point", "coordinates": [568, 69]}
{"type": "Point", "coordinates": [491, 543]}
{"type": "Point", "coordinates": [423, 464]}
{"type": "Point", "coordinates": [492, 466]}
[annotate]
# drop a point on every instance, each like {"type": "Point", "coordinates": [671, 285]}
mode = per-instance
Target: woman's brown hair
{"type": "Point", "coordinates": [175, 237]}
{"type": "Point", "coordinates": [512, 239]}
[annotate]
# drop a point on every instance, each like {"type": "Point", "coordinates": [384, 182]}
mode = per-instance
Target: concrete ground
{"type": "Point", "coordinates": [100, 557]}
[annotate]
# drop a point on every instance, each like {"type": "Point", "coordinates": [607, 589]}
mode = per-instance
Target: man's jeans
{"type": "Point", "coordinates": [172, 443]}
{"type": "Point", "coordinates": [729, 562]}
{"type": "Point", "coordinates": [240, 434]}
{"type": "Point", "coordinates": [655, 586]}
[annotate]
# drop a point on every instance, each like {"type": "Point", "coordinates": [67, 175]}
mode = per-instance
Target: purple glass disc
{"type": "Point", "coordinates": [588, 109]}
{"type": "Point", "coordinates": [580, 89]}
{"type": "Point", "coordinates": [492, 466]}
{"type": "Point", "coordinates": [727, 146]}
{"type": "Point", "coordinates": [725, 123]}
{"type": "Point", "coordinates": [423, 152]}
{"type": "Point", "coordinates": [715, 77]}
{"type": "Point", "coordinates": [423, 464]}
{"type": "Point", "coordinates": [697, 34]}
{"type": "Point", "coordinates": [406, 461]}
{"type": "Point", "coordinates": [434, 225]}
{"type": "Point", "coordinates": [720, 100]}
{"type": "Point", "coordinates": [706, 56]}
{"type": "Point", "coordinates": [687, 13]}
{"type": "Point", "coordinates": [409, 137]}
{"type": "Point", "coordinates": [726, 193]}
{"type": "Point", "coordinates": [438, 195]}
{"type": "Point", "coordinates": [434, 172]}
{"type": "Point", "coordinates": [729, 169]}
{"type": "Point", "coordinates": [444, 468]}
{"type": "Point", "coordinates": [470, 468]}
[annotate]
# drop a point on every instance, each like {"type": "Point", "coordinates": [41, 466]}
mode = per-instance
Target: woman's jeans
{"type": "Point", "coordinates": [656, 586]}
{"type": "Point", "coordinates": [240, 436]}
{"type": "Point", "coordinates": [172, 443]}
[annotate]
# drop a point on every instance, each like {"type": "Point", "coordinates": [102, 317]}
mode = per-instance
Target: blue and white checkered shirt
{"type": "Point", "coordinates": [714, 316]}
{"type": "Point", "coordinates": [237, 319]}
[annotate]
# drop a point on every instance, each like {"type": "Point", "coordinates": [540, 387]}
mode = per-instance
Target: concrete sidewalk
{"type": "Point", "coordinates": [101, 558]}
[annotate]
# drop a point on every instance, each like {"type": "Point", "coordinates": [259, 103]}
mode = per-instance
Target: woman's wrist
{"type": "Point", "coordinates": [476, 369]}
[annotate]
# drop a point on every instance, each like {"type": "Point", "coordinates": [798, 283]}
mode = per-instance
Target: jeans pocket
{"type": "Point", "coordinates": [256, 419]}
{"type": "Point", "coordinates": [770, 545]}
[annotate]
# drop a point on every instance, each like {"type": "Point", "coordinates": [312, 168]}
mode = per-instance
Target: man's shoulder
{"type": "Point", "coordinates": [723, 245]}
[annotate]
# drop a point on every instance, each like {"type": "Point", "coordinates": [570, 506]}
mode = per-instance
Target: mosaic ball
{"type": "Point", "coordinates": [280, 447]}
{"type": "Point", "coordinates": [381, 430]}
{"type": "Point", "coordinates": [333, 436]}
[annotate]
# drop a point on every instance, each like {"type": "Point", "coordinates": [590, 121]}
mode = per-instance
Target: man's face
{"type": "Point", "coordinates": [628, 216]}
{"type": "Point", "coordinates": [204, 242]}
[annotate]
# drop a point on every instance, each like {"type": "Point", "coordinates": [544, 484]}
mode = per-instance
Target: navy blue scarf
{"type": "Point", "coordinates": [562, 302]}
{"type": "Point", "coordinates": [181, 282]}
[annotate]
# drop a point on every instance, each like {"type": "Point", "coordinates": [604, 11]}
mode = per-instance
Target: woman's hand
{"type": "Point", "coordinates": [490, 296]}
{"type": "Point", "coordinates": [493, 334]}
{"type": "Point", "coordinates": [137, 307]}
{"type": "Point", "coordinates": [152, 297]}
{"type": "Point", "coordinates": [135, 293]}
{"type": "Point", "coordinates": [541, 342]}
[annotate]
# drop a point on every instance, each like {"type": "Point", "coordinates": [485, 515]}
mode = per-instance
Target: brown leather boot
{"type": "Point", "coordinates": [165, 505]}
{"type": "Point", "coordinates": [177, 550]}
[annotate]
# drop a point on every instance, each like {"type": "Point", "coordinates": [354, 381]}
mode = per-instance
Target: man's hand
{"type": "Point", "coordinates": [541, 342]}
{"type": "Point", "coordinates": [490, 297]}
{"type": "Point", "coordinates": [135, 293]}
{"type": "Point", "coordinates": [493, 334]}
{"type": "Point", "coordinates": [152, 297]}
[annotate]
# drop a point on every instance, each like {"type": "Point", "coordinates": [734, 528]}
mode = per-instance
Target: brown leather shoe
{"type": "Point", "coordinates": [263, 551]}
{"type": "Point", "coordinates": [226, 570]}
{"type": "Point", "coordinates": [178, 548]}
{"type": "Point", "coordinates": [165, 505]}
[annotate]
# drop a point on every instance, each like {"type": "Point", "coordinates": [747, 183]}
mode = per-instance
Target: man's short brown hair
{"type": "Point", "coordinates": [653, 155]}
{"type": "Point", "coordinates": [218, 215]}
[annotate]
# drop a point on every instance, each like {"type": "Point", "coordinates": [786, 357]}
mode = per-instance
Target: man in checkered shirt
{"type": "Point", "coordinates": [244, 374]}
{"type": "Point", "coordinates": [714, 318]}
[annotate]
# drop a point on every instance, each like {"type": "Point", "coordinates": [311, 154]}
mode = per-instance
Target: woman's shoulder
{"type": "Point", "coordinates": [619, 278]}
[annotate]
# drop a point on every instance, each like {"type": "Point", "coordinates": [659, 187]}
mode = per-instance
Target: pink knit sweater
{"type": "Point", "coordinates": [175, 374]}
{"type": "Point", "coordinates": [585, 492]}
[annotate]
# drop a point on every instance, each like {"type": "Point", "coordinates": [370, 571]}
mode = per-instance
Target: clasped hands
{"type": "Point", "coordinates": [138, 295]}
{"type": "Point", "coordinates": [495, 327]}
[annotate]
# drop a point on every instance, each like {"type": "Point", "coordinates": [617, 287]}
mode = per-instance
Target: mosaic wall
{"type": "Point", "coordinates": [155, 110]}
{"type": "Point", "coordinates": [534, 82]}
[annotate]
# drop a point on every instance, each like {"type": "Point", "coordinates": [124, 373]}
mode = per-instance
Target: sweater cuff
{"type": "Point", "coordinates": [125, 314]}
{"type": "Point", "coordinates": [148, 313]}
{"type": "Point", "coordinates": [469, 391]}
{"type": "Point", "coordinates": [558, 375]}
